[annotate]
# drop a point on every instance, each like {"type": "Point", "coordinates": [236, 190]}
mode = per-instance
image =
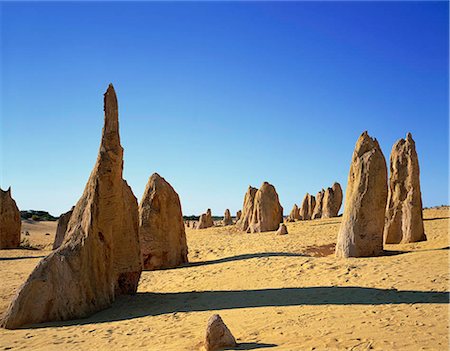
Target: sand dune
{"type": "Point", "coordinates": [274, 292]}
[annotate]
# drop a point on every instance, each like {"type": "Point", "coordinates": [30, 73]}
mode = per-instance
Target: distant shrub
{"type": "Point", "coordinates": [37, 215]}
{"type": "Point", "coordinates": [191, 218]}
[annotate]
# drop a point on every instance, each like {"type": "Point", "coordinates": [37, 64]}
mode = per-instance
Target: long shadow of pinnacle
{"type": "Point", "coordinates": [238, 258]}
{"type": "Point", "coordinates": [155, 304]}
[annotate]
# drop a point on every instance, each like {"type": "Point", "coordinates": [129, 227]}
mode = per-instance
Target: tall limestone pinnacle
{"type": "Point", "coordinates": [247, 209]}
{"type": "Point", "coordinates": [404, 222]}
{"type": "Point", "coordinates": [361, 231]}
{"type": "Point", "coordinates": [10, 224]}
{"type": "Point", "coordinates": [99, 257]}
{"type": "Point", "coordinates": [111, 137]}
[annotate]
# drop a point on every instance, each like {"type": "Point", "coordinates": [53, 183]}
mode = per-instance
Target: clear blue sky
{"type": "Point", "coordinates": [217, 96]}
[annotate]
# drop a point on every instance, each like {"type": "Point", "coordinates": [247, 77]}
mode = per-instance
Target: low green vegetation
{"type": "Point", "coordinates": [37, 215]}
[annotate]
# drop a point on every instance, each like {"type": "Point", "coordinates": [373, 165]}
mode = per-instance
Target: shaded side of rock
{"type": "Point", "coordinates": [61, 228]}
{"type": "Point", "coordinates": [317, 212]}
{"type": "Point", "coordinates": [247, 209]}
{"type": "Point", "coordinates": [311, 205]}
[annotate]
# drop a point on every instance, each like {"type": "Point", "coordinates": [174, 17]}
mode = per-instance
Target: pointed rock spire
{"type": "Point", "coordinates": [100, 256]}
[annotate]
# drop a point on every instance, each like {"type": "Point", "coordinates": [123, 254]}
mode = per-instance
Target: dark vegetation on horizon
{"type": "Point", "coordinates": [196, 218]}
{"type": "Point", "coordinates": [37, 215]}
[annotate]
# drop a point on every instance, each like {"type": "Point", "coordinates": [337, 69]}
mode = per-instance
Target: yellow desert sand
{"type": "Point", "coordinates": [274, 292]}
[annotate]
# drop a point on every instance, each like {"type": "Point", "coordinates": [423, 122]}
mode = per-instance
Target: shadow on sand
{"type": "Point", "coordinates": [155, 304]}
{"type": "Point", "coordinates": [326, 223]}
{"type": "Point", "coordinates": [435, 218]}
{"type": "Point", "coordinates": [399, 252]}
{"type": "Point", "coordinates": [251, 346]}
{"type": "Point", "coordinates": [19, 258]}
{"type": "Point", "coordinates": [239, 258]}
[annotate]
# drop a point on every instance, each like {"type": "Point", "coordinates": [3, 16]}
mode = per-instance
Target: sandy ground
{"type": "Point", "coordinates": [274, 292]}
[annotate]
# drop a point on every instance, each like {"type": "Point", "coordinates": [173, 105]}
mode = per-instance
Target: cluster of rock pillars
{"type": "Point", "coordinates": [105, 241]}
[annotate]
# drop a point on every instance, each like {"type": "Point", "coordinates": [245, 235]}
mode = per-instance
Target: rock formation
{"type": "Point", "coordinates": [161, 228]}
{"type": "Point", "coordinates": [205, 220]}
{"type": "Point", "coordinates": [238, 215]}
{"type": "Point", "coordinates": [218, 336]}
{"type": "Point", "coordinates": [100, 256]}
{"type": "Point", "coordinates": [282, 229]}
{"type": "Point", "coordinates": [361, 231]}
{"type": "Point", "coordinates": [294, 215]}
{"type": "Point", "coordinates": [267, 211]}
{"type": "Point", "coordinates": [304, 210]}
{"type": "Point", "coordinates": [332, 201]}
{"type": "Point", "coordinates": [227, 220]}
{"type": "Point", "coordinates": [10, 223]}
{"type": "Point", "coordinates": [247, 209]}
{"type": "Point", "coordinates": [63, 221]}
{"type": "Point", "coordinates": [404, 222]}
{"type": "Point", "coordinates": [308, 204]}
{"type": "Point", "coordinates": [311, 205]}
{"type": "Point", "coordinates": [317, 212]}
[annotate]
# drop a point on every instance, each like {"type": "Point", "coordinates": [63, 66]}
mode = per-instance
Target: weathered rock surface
{"type": "Point", "coordinates": [100, 255]}
{"type": "Point", "coordinates": [267, 211]}
{"type": "Point", "coordinates": [361, 231]}
{"type": "Point", "coordinates": [205, 220]}
{"type": "Point", "coordinates": [304, 210]}
{"type": "Point", "coordinates": [308, 204]}
{"type": "Point", "coordinates": [238, 215]}
{"type": "Point", "coordinates": [404, 221]}
{"type": "Point", "coordinates": [161, 228]}
{"type": "Point", "coordinates": [218, 336]}
{"type": "Point", "coordinates": [63, 221]}
{"type": "Point", "coordinates": [227, 220]}
{"type": "Point", "coordinates": [311, 205]}
{"type": "Point", "coordinates": [317, 212]}
{"type": "Point", "coordinates": [10, 223]}
{"type": "Point", "coordinates": [294, 215]}
{"type": "Point", "coordinates": [332, 201]}
{"type": "Point", "coordinates": [247, 209]}
{"type": "Point", "coordinates": [282, 229]}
